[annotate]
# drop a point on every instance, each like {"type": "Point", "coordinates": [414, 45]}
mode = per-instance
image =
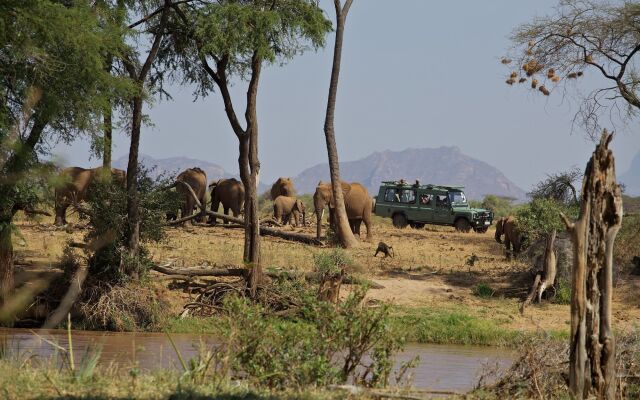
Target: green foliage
{"type": "Point", "coordinates": [563, 291]}
{"type": "Point", "coordinates": [483, 290]}
{"type": "Point", "coordinates": [450, 326]}
{"type": "Point", "coordinates": [330, 263]}
{"type": "Point", "coordinates": [328, 345]}
{"type": "Point", "coordinates": [627, 244]}
{"type": "Point", "coordinates": [500, 205]}
{"type": "Point", "coordinates": [107, 217]}
{"type": "Point", "coordinates": [541, 216]}
{"type": "Point", "coordinates": [273, 31]}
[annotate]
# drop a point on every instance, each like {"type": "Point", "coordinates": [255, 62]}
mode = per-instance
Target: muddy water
{"type": "Point", "coordinates": [441, 367]}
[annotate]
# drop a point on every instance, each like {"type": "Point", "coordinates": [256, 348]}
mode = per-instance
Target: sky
{"type": "Point", "coordinates": [415, 74]}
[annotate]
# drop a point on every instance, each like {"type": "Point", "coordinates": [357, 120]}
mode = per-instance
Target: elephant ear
{"type": "Point", "coordinates": [300, 205]}
{"type": "Point", "coordinates": [499, 229]}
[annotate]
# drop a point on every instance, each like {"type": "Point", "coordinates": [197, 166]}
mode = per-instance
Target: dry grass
{"type": "Point", "coordinates": [430, 268]}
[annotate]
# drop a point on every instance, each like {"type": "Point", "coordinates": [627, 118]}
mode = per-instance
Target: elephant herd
{"type": "Point", "coordinates": [228, 193]}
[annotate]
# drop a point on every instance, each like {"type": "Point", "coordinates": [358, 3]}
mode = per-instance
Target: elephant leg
{"type": "Point", "coordinates": [187, 209]}
{"type": "Point", "coordinates": [215, 204]}
{"type": "Point", "coordinates": [507, 246]}
{"type": "Point", "coordinates": [226, 212]}
{"type": "Point", "coordinates": [357, 224]}
{"type": "Point", "coordinates": [296, 218]}
{"type": "Point", "coordinates": [367, 224]}
{"type": "Point", "coordinates": [319, 214]}
{"type": "Point", "coordinates": [61, 214]}
{"type": "Point", "coordinates": [203, 215]}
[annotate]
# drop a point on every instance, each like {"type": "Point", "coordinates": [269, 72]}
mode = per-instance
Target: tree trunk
{"type": "Point", "coordinates": [6, 260]}
{"type": "Point", "coordinates": [108, 137]}
{"type": "Point", "coordinates": [252, 167]}
{"type": "Point", "coordinates": [133, 213]}
{"type": "Point", "coordinates": [592, 357]}
{"type": "Point", "coordinates": [550, 264]}
{"type": "Point", "coordinates": [343, 230]}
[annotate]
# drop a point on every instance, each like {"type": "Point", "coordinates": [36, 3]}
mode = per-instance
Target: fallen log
{"type": "Point", "coordinates": [264, 231]}
{"type": "Point", "coordinates": [186, 273]}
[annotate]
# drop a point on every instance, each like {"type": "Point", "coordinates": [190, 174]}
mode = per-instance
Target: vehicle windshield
{"type": "Point", "coordinates": [457, 198]}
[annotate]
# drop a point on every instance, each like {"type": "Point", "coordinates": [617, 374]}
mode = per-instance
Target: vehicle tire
{"type": "Point", "coordinates": [462, 225]}
{"type": "Point", "coordinates": [416, 225]}
{"type": "Point", "coordinates": [482, 230]}
{"type": "Point", "coordinates": [400, 221]}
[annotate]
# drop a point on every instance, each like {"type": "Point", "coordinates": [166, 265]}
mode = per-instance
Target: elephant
{"type": "Point", "coordinates": [357, 202]}
{"type": "Point", "coordinates": [508, 227]}
{"type": "Point", "coordinates": [197, 179]}
{"type": "Point", "coordinates": [73, 189]}
{"type": "Point", "coordinates": [282, 187]}
{"type": "Point", "coordinates": [285, 207]}
{"type": "Point", "coordinates": [229, 192]}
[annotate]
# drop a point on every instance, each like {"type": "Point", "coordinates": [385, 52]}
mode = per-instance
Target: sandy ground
{"type": "Point", "coordinates": [429, 269]}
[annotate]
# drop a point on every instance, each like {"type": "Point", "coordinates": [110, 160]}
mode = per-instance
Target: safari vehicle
{"type": "Point", "coordinates": [416, 205]}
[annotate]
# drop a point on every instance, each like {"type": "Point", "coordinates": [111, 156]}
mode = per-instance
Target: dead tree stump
{"type": "Point", "coordinates": [592, 351]}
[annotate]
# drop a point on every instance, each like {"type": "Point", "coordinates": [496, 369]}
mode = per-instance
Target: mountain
{"type": "Point", "coordinates": [443, 165]}
{"type": "Point", "coordinates": [631, 178]}
{"type": "Point", "coordinates": [175, 165]}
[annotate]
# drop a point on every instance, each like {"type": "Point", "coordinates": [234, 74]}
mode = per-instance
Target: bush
{"type": "Point", "coordinates": [106, 213]}
{"type": "Point", "coordinates": [627, 244]}
{"type": "Point", "coordinates": [500, 205]}
{"type": "Point", "coordinates": [328, 344]}
{"type": "Point", "coordinates": [541, 216]}
{"type": "Point", "coordinates": [484, 291]}
{"type": "Point", "coordinates": [563, 291]}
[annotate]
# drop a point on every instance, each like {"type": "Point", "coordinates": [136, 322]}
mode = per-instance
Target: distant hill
{"type": "Point", "coordinates": [443, 165]}
{"type": "Point", "coordinates": [175, 165]}
{"type": "Point", "coordinates": [631, 178]}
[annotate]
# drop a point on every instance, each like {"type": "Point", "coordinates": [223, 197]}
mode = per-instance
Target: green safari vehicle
{"type": "Point", "coordinates": [416, 205]}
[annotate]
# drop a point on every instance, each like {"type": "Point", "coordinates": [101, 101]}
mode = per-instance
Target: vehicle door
{"type": "Point", "coordinates": [409, 203]}
{"type": "Point", "coordinates": [442, 210]}
{"type": "Point", "coordinates": [426, 205]}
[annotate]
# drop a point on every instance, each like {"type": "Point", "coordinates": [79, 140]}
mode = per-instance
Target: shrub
{"type": "Point", "coordinates": [106, 213]}
{"type": "Point", "coordinates": [541, 216]}
{"type": "Point", "coordinates": [328, 344]}
{"type": "Point", "coordinates": [483, 290]}
{"type": "Point", "coordinates": [563, 292]}
{"type": "Point", "coordinates": [500, 205]}
{"type": "Point", "coordinates": [627, 244]}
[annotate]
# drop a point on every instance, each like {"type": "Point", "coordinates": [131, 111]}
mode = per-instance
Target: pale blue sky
{"type": "Point", "coordinates": [415, 73]}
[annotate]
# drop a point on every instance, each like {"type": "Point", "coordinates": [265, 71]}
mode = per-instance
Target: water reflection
{"type": "Point", "coordinates": [441, 367]}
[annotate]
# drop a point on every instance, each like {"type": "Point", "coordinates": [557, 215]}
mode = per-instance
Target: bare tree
{"type": "Point", "coordinates": [582, 36]}
{"type": "Point", "coordinates": [592, 356]}
{"type": "Point", "coordinates": [346, 237]}
{"type": "Point", "coordinates": [559, 186]}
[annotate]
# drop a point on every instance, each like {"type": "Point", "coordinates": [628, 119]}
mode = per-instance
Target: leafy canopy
{"type": "Point", "coordinates": [234, 31]}
{"type": "Point", "coordinates": [54, 82]}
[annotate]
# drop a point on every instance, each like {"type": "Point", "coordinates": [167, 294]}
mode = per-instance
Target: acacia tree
{"type": "Point", "coordinates": [52, 83]}
{"type": "Point", "coordinates": [583, 36]}
{"type": "Point", "coordinates": [225, 40]}
{"type": "Point", "coordinates": [346, 237]}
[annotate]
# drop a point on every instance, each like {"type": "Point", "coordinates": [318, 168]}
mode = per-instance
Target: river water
{"type": "Point", "coordinates": [441, 367]}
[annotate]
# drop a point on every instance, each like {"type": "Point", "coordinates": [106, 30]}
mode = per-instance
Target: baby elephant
{"type": "Point", "coordinates": [285, 207]}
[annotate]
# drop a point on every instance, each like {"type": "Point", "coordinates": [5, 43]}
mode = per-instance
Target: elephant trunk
{"type": "Point", "coordinates": [498, 236]}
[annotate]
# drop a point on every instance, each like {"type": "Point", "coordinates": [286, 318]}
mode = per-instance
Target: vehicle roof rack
{"type": "Point", "coordinates": [427, 186]}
